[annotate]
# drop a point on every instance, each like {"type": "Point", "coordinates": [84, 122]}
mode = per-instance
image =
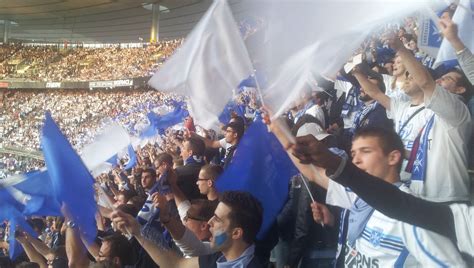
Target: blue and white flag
{"type": "Point", "coordinates": [71, 181]}
{"type": "Point", "coordinates": [261, 167]}
{"type": "Point", "coordinates": [464, 18]}
{"type": "Point", "coordinates": [208, 66]}
{"type": "Point", "coordinates": [30, 194]}
{"type": "Point", "coordinates": [132, 158]}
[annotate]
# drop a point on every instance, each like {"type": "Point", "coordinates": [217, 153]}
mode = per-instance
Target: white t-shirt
{"type": "Point", "coordinates": [408, 129]}
{"type": "Point", "coordinates": [386, 242]}
{"type": "Point", "coordinates": [396, 92]}
{"type": "Point", "coordinates": [447, 178]}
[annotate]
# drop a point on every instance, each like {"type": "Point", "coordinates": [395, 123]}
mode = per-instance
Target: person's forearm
{"type": "Point", "coordinates": [32, 254]}
{"type": "Point", "coordinates": [419, 73]}
{"type": "Point", "coordinates": [457, 44]}
{"type": "Point", "coordinates": [372, 90]}
{"type": "Point", "coordinates": [163, 257]}
{"type": "Point", "coordinates": [307, 170]}
{"type": "Point", "coordinates": [179, 196]}
{"type": "Point", "coordinates": [40, 246]}
{"type": "Point", "coordinates": [75, 250]}
{"type": "Point", "coordinates": [396, 204]}
{"type": "Point", "coordinates": [175, 227]}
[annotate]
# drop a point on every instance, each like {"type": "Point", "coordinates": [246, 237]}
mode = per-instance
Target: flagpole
{"type": "Point", "coordinates": [259, 90]}
{"type": "Point", "coordinates": [309, 191]}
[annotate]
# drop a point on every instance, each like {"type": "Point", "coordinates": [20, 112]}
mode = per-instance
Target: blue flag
{"type": "Point", "coordinates": [71, 181]}
{"type": "Point", "coordinates": [159, 123]}
{"type": "Point", "coordinates": [30, 194]}
{"type": "Point", "coordinates": [230, 107]}
{"type": "Point", "coordinates": [132, 158]}
{"type": "Point", "coordinates": [10, 213]}
{"type": "Point", "coordinates": [261, 167]}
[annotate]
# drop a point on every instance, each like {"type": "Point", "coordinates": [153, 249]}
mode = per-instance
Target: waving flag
{"type": "Point", "coordinates": [10, 213]}
{"type": "Point", "coordinates": [209, 65]}
{"type": "Point", "coordinates": [261, 167]}
{"type": "Point", "coordinates": [71, 181]}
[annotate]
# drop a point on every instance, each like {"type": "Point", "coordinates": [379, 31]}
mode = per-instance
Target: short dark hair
{"type": "Point", "coordinates": [213, 171]}
{"type": "Point", "coordinates": [120, 247]}
{"type": "Point", "coordinates": [237, 127]}
{"type": "Point", "coordinates": [150, 170]}
{"type": "Point", "coordinates": [129, 209]}
{"type": "Point", "coordinates": [246, 213]}
{"type": "Point", "coordinates": [388, 139]}
{"type": "Point", "coordinates": [165, 158]}
{"type": "Point", "coordinates": [197, 146]}
{"type": "Point", "coordinates": [464, 82]}
{"type": "Point", "coordinates": [201, 209]}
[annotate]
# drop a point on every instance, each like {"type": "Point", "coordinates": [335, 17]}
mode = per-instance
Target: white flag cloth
{"type": "Point", "coordinates": [208, 66]}
{"type": "Point", "coordinates": [463, 17]}
{"type": "Point", "coordinates": [111, 141]}
{"type": "Point", "coordinates": [298, 39]}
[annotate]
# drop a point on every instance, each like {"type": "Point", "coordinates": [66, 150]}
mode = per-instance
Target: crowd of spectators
{"type": "Point", "coordinates": [50, 63]}
{"type": "Point", "coordinates": [389, 121]}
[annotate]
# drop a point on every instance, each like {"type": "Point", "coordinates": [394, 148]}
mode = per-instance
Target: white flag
{"type": "Point", "coordinates": [298, 39]}
{"type": "Point", "coordinates": [208, 66]}
{"type": "Point", "coordinates": [464, 19]}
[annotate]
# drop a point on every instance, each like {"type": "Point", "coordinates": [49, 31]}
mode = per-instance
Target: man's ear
{"type": "Point", "coordinates": [394, 157]}
{"type": "Point", "coordinates": [460, 90]}
{"type": "Point", "coordinates": [237, 233]}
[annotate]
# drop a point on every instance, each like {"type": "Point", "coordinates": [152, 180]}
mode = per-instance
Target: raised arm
{"type": "Point", "coordinates": [31, 252]}
{"type": "Point", "coordinates": [418, 72]}
{"type": "Point", "coordinates": [283, 134]}
{"type": "Point", "coordinates": [165, 258]}
{"type": "Point", "coordinates": [371, 89]}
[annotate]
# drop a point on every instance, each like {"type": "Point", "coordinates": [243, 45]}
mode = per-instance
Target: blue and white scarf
{"type": "Point", "coordinates": [193, 159]}
{"type": "Point", "coordinates": [352, 102]}
{"type": "Point", "coordinates": [362, 114]}
{"type": "Point", "coordinates": [418, 173]}
{"type": "Point", "coordinates": [240, 262]}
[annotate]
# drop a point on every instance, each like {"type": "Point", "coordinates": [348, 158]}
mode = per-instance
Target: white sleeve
{"type": "Point", "coordinates": [183, 209]}
{"type": "Point", "coordinates": [448, 107]}
{"type": "Point", "coordinates": [395, 107]}
{"type": "Point", "coordinates": [223, 143]}
{"type": "Point", "coordinates": [191, 246]}
{"type": "Point", "coordinates": [430, 249]}
{"type": "Point", "coordinates": [463, 216]}
{"type": "Point", "coordinates": [337, 195]}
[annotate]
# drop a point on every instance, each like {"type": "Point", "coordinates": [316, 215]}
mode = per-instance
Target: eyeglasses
{"type": "Point", "coordinates": [201, 179]}
{"type": "Point", "coordinates": [187, 217]}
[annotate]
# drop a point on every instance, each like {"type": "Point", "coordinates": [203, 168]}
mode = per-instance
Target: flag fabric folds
{"type": "Point", "coordinates": [15, 217]}
{"type": "Point", "coordinates": [132, 158]}
{"type": "Point", "coordinates": [262, 167]}
{"type": "Point", "coordinates": [71, 181]}
{"type": "Point", "coordinates": [208, 66]}
{"type": "Point", "coordinates": [159, 123]}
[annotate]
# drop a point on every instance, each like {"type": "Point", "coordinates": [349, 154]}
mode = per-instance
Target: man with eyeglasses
{"type": "Point", "coordinates": [234, 227]}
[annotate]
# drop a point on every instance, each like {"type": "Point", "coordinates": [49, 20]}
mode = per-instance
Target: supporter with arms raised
{"type": "Point", "coordinates": [233, 133]}
{"type": "Point", "coordinates": [234, 226]}
{"type": "Point", "coordinates": [435, 126]}
{"type": "Point", "coordinates": [371, 238]}
{"type": "Point", "coordinates": [455, 221]}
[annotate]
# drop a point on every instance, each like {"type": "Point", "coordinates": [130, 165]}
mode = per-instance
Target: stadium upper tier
{"type": "Point", "coordinates": [51, 63]}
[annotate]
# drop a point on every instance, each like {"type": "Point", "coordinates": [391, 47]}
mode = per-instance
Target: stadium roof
{"type": "Point", "coordinates": [104, 21]}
